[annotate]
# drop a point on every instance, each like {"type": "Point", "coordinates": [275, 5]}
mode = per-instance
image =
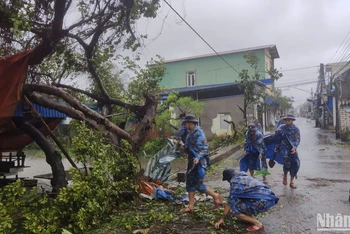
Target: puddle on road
{"type": "Point", "coordinates": [324, 140]}
{"type": "Point", "coordinates": [322, 182]}
{"type": "Point", "coordinates": [317, 179]}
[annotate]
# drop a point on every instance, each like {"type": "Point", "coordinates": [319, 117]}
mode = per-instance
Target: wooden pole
{"type": "Point", "coordinates": [53, 137]}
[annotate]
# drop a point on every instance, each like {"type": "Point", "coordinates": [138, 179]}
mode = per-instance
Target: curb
{"type": "Point", "coordinates": [223, 155]}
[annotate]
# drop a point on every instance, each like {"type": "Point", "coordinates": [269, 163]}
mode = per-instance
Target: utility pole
{"type": "Point", "coordinates": [337, 118]}
{"type": "Point", "coordinates": [323, 94]}
{"type": "Point", "coordinates": [318, 94]}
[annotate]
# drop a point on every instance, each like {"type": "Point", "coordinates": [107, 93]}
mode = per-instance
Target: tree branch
{"type": "Point", "coordinates": [240, 108]}
{"type": "Point", "coordinates": [69, 111]}
{"type": "Point", "coordinates": [131, 107]}
{"type": "Point", "coordinates": [68, 5]}
{"type": "Point", "coordinates": [82, 22]}
{"type": "Point", "coordinates": [79, 40]}
{"type": "Point", "coordinates": [100, 29]}
{"type": "Point", "coordinates": [129, 4]}
{"type": "Point", "coordinates": [46, 46]}
{"type": "Point", "coordinates": [49, 103]}
{"type": "Point", "coordinates": [61, 75]}
{"type": "Point", "coordinates": [96, 77]}
{"type": "Point", "coordinates": [79, 106]}
{"type": "Point", "coordinates": [90, 50]}
{"type": "Point", "coordinates": [41, 34]}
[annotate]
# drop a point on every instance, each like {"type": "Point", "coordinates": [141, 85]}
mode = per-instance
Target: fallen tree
{"type": "Point", "coordinates": [82, 49]}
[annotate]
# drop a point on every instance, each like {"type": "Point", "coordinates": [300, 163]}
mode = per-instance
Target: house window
{"type": "Point", "coordinates": [191, 78]}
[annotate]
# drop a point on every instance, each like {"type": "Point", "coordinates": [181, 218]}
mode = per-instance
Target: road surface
{"type": "Point", "coordinates": [323, 185]}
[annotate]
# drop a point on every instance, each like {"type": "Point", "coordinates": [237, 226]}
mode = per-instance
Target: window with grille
{"type": "Point", "coordinates": [191, 78]}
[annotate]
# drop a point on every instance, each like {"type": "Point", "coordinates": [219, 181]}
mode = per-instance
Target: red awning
{"type": "Point", "coordinates": [12, 75]}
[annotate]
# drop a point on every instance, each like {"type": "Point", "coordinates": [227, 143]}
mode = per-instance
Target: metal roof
{"type": "Point", "coordinates": [272, 50]}
{"type": "Point", "coordinates": [197, 88]}
{"type": "Point", "coordinates": [44, 112]}
{"type": "Point", "coordinates": [267, 81]}
{"type": "Point", "coordinates": [165, 92]}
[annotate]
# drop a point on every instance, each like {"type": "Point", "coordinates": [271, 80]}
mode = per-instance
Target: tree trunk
{"type": "Point", "coordinates": [53, 157]}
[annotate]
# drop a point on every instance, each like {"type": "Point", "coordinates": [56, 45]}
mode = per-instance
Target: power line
{"type": "Point", "coordinates": [343, 56]}
{"type": "Point", "coordinates": [291, 85]}
{"type": "Point", "coordinates": [200, 36]}
{"type": "Point", "coordinates": [298, 76]}
{"type": "Point", "coordinates": [342, 65]}
{"type": "Point", "coordinates": [339, 47]}
{"type": "Point", "coordinates": [309, 92]}
{"type": "Point", "coordinates": [297, 81]}
{"type": "Point", "coordinates": [339, 57]}
{"type": "Point", "coordinates": [299, 68]}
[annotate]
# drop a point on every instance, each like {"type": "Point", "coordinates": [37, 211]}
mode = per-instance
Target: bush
{"type": "Point", "coordinates": [226, 140]}
{"type": "Point", "coordinates": [151, 147]}
{"type": "Point", "coordinates": [220, 141]}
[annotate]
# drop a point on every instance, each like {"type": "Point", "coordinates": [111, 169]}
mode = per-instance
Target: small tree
{"type": "Point", "coordinates": [167, 109]}
{"type": "Point", "coordinates": [248, 82]}
{"type": "Point", "coordinates": [285, 103]}
{"type": "Point", "coordinates": [165, 124]}
{"type": "Point", "coordinates": [279, 102]}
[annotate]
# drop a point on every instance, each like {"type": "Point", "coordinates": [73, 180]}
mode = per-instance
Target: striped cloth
{"type": "Point", "coordinates": [158, 167]}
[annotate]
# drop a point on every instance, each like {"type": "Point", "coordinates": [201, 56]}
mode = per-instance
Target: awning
{"type": "Point", "coordinates": [271, 100]}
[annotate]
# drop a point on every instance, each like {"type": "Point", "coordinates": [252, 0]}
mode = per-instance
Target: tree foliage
{"type": "Point", "coordinates": [249, 82]}
{"type": "Point", "coordinates": [79, 42]}
{"type": "Point", "coordinates": [285, 103]}
{"type": "Point", "coordinates": [171, 107]}
{"type": "Point", "coordinates": [146, 80]}
{"type": "Point", "coordinates": [166, 124]}
{"type": "Point", "coordinates": [84, 205]}
{"type": "Point", "coordinates": [86, 48]}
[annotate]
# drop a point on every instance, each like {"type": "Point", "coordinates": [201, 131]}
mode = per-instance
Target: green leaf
{"type": "Point", "coordinates": [262, 172]}
{"type": "Point", "coordinates": [64, 231]}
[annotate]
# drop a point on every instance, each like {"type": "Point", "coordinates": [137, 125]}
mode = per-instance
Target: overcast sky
{"type": "Point", "coordinates": [306, 33]}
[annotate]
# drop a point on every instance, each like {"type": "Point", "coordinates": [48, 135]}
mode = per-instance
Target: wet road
{"type": "Point", "coordinates": [323, 185]}
{"type": "Point", "coordinates": [38, 166]}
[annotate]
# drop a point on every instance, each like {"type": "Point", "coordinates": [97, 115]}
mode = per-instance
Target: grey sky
{"type": "Point", "coordinates": [306, 33]}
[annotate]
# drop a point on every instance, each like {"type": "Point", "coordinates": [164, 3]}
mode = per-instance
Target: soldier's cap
{"type": "Point", "coordinates": [190, 119]}
{"type": "Point", "coordinates": [289, 116]}
{"type": "Point", "coordinates": [252, 127]}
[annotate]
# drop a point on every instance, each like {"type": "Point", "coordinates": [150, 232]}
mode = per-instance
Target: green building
{"type": "Point", "coordinates": [210, 79]}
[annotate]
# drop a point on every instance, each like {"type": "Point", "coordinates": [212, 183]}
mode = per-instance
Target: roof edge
{"type": "Point", "coordinates": [272, 50]}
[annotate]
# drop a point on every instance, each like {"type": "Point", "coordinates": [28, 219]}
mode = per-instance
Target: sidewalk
{"type": "Point", "coordinates": [225, 152]}
{"type": "Point", "coordinates": [328, 137]}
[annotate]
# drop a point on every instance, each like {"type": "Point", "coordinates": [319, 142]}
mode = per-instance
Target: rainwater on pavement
{"type": "Point", "coordinates": [323, 184]}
